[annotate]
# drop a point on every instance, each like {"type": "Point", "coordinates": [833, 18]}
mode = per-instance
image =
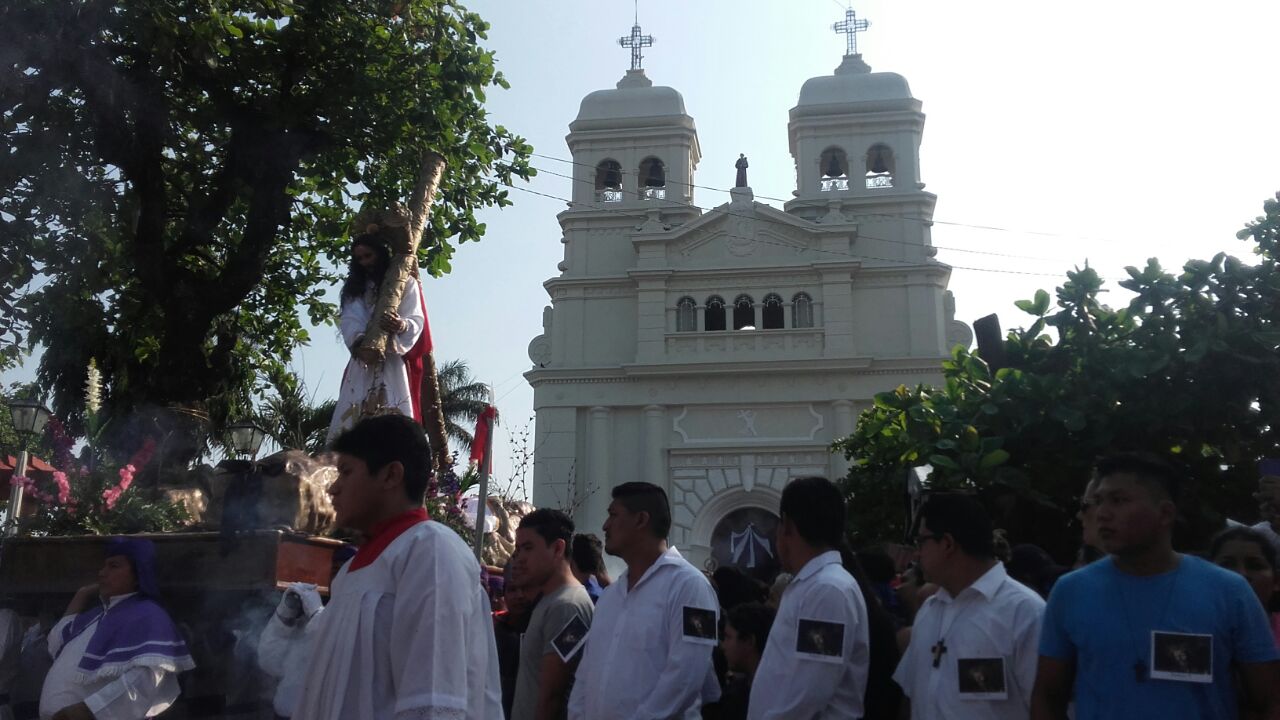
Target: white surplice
{"type": "Point", "coordinates": [408, 637]}
{"type": "Point", "coordinates": [359, 380]}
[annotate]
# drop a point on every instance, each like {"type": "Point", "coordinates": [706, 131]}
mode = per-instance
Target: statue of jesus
{"type": "Point", "coordinates": [373, 384]}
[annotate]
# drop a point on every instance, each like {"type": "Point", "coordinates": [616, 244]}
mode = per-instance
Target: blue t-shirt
{"type": "Point", "coordinates": [1102, 619]}
{"type": "Point", "coordinates": [593, 589]}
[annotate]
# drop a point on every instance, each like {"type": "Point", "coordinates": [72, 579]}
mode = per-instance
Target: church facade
{"type": "Point", "coordinates": [719, 353]}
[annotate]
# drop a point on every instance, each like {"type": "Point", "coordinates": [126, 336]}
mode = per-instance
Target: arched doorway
{"type": "Point", "coordinates": [744, 538]}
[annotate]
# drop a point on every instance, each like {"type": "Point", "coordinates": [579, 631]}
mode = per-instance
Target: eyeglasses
{"type": "Point", "coordinates": [920, 539]}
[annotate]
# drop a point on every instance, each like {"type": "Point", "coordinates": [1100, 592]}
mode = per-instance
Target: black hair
{"type": "Point", "coordinates": [816, 508]}
{"type": "Point", "coordinates": [383, 439]}
{"type": "Point", "coordinates": [735, 587]}
{"type": "Point", "coordinates": [638, 497]}
{"type": "Point", "coordinates": [1148, 469]}
{"type": "Point", "coordinates": [1033, 567]}
{"type": "Point", "coordinates": [357, 277]}
{"type": "Point", "coordinates": [587, 553]}
{"type": "Point", "coordinates": [963, 518]}
{"type": "Point", "coordinates": [751, 620]}
{"type": "Point", "coordinates": [877, 564]}
{"type": "Point", "coordinates": [551, 525]}
{"type": "Point", "coordinates": [1247, 534]}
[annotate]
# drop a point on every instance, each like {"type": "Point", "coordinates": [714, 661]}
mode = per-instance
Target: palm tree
{"type": "Point", "coordinates": [292, 418]}
{"type": "Point", "coordinates": [462, 399]}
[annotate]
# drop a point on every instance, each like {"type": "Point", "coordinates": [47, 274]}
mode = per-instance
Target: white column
{"type": "Point", "coordinates": [655, 447]}
{"type": "Point", "coordinates": [843, 410]}
{"type": "Point", "coordinates": [599, 458]}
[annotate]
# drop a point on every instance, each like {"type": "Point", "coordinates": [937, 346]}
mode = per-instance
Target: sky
{"type": "Point", "coordinates": [1056, 134]}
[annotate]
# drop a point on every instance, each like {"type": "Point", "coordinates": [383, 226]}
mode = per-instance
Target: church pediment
{"type": "Point", "coordinates": [744, 232]}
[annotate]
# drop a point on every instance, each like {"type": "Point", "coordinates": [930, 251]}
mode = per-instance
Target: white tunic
{"type": "Point", "coordinates": [408, 637]}
{"type": "Point", "coordinates": [638, 663]}
{"type": "Point", "coordinates": [137, 693]}
{"type": "Point", "coordinates": [995, 617]}
{"type": "Point", "coordinates": [815, 663]}
{"type": "Point", "coordinates": [360, 379]}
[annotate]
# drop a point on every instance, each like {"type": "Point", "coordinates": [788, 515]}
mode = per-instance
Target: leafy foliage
{"type": "Point", "coordinates": [178, 176]}
{"type": "Point", "coordinates": [292, 418]}
{"type": "Point", "coordinates": [462, 399]}
{"type": "Point", "coordinates": [1188, 369]}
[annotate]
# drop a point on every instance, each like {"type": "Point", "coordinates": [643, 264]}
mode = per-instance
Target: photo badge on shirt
{"type": "Point", "coordinates": [570, 639]}
{"type": "Point", "coordinates": [700, 625]}
{"type": "Point", "coordinates": [820, 640]}
{"type": "Point", "coordinates": [1183, 657]}
{"type": "Point", "coordinates": [981, 678]}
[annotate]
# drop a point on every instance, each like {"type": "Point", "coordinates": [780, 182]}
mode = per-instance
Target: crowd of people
{"type": "Point", "coordinates": [415, 629]}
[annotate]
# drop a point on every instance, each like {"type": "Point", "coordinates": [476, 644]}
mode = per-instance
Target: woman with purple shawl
{"type": "Point", "coordinates": [119, 659]}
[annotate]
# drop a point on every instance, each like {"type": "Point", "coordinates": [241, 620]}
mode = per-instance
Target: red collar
{"type": "Point", "coordinates": [382, 534]}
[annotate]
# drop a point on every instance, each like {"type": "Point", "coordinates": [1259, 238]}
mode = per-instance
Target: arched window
{"type": "Point", "coordinates": [835, 169]}
{"type": "Point", "coordinates": [609, 181]}
{"type": "Point", "coordinates": [801, 311]}
{"type": "Point", "coordinates": [714, 314]}
{"type": "Point", "coordinates": [744, 312]}
{"type": "Point", "coordinates": [686, 315]}
{"type": "Point", "coordinates": [771, 314]}
{"type": "Point", "coordinates": [879, 167]}
{"type": "Point", "coordinates": [653, 179]}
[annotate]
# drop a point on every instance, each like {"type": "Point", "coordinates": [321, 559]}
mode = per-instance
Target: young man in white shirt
{"type": "Point", "coordinates": [407, 632]}
{"type": "Point", "coordinates": [648, 655]}
{"type": "Point", "coordinates": [551, 645]}
{"type": "Point", "coordinates": [816, 661]}
{"type": "Point", "coordinates": [975, 642]}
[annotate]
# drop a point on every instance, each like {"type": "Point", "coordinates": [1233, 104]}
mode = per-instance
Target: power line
{"type": "Point", "coordinates": [995, 228]}
{"type": "Point", "coordinates": [860, 256]}
{"type": "Point", "coordinates": [899, 242]}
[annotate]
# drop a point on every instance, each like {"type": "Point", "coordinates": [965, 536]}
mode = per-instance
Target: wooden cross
{"type": "Point", "coordinates": [636, 41]}
{"type": "Point", "coordinates": [938, 650]}
{"type": "Point", "coordinates": [851, 26]}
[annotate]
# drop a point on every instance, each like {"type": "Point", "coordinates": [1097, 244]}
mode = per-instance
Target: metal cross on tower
{"type": "Point", "coordinates": [636, 41]}
{"type": "Point", "coordinates": [851, 26]}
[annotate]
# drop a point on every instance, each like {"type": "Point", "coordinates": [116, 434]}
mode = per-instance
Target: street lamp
{"type": "Point", "coordinates": [29, 418]}
{"type": "Point", "coordinates": [246, 438]}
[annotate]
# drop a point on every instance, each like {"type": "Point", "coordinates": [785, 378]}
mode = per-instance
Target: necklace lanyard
{"type": "Point", "coordinates": [941, 646]}
{"type": "Point", "coordinates": [1139, 665]}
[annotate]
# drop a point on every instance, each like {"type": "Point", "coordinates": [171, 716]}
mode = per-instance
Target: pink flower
{"type": "Point", "coordinates": [64, 486]}
{"type": "Point", "coordinates": [126, 477]}
{"type": "Point", "coordinates": [112, 496]}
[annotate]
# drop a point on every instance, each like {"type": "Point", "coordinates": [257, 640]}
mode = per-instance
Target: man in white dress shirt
{"type": "Point", "coordinates": [406, 634]}
{"type": "Point", "coordinates": [975, 643]}
{"type": "Point", "coordinates": [648, 654]}
{"type": "Point", "coordinates": [116, 653]}
{"type": "Point", "coordinates": [816, 660]}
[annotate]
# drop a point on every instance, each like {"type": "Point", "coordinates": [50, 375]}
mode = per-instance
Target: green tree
{"type": "Point", "coordinates": [1189, 369]}
{"type": "Point", "coordinates": [463, 399]}
{"type": "Point", "coordinates": [179, 176]}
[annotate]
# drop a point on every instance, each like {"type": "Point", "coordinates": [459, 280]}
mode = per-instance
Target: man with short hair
{"type": "Point", "coordinates": [816, 661]}
{"type": "Point", "coordinates": [648, 656]}
{"type": "Point", "coordinates": [407, 631]}
{"type": "Point", "coordinates": [974, 643]}
{"type": "Point", "coordinates": [587, 564]}
{"type": "Point", "coordinates": [746, 629]}
{"type": "Point", "coordinates": [116, 653]}
{"type": "Point", "coordinates": [1118, 634]}
{"type": "Point", "coordinates": [549, 651]}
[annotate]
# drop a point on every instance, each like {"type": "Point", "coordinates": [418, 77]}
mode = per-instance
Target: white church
{"type": "Point", "coordinates": [719, 353]}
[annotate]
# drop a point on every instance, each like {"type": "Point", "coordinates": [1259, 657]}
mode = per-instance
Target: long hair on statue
{"type": "Point", "coordinates": [357, 277]}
